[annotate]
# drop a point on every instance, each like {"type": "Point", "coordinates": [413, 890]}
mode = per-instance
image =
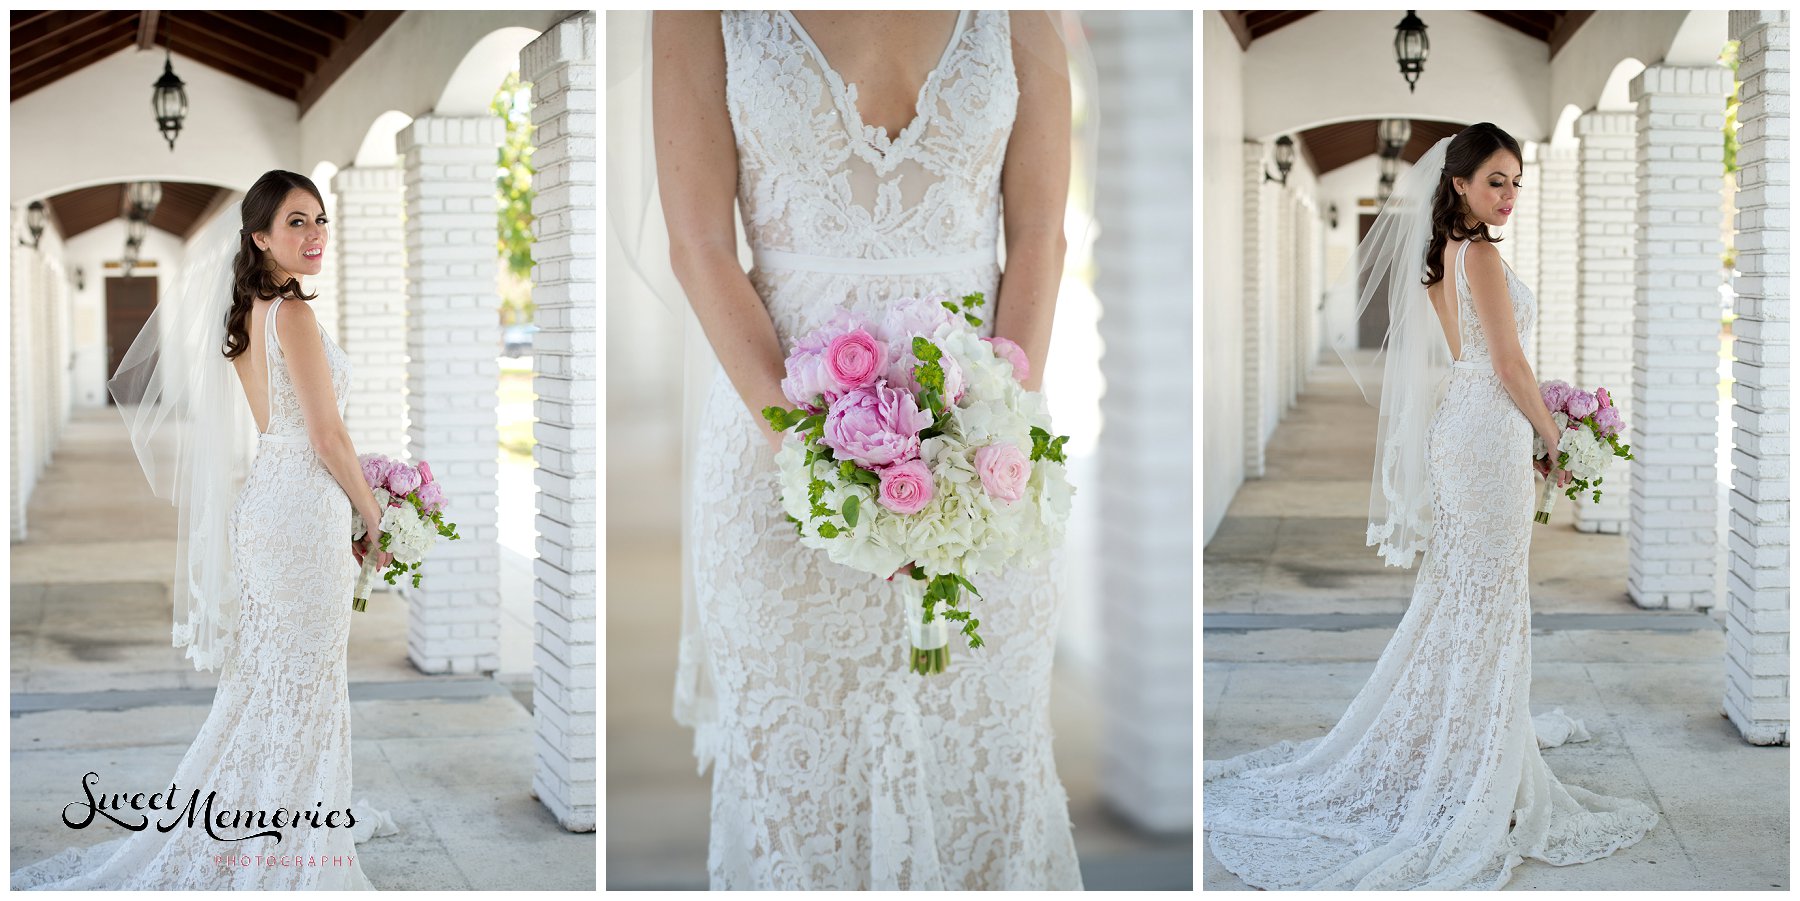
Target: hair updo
{"type": "Point", "coordinates": [250, 275]}
{"type": "Point", "coordinates": [1467, 150]}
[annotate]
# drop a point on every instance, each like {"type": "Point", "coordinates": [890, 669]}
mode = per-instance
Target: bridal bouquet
{"type": "Point", "coordinates": [1590, 440]}
{"type": "Point", "coordinates": [412, 519]}
{"type": "Point", "coordinates": [916, 444]}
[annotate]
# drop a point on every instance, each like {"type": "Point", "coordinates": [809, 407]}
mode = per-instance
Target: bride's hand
{"type": "Point", "coordinates": [371, 543]}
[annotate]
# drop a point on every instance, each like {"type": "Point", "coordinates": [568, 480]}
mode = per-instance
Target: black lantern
{"type": "Point", "coordinates": [1410, 48]}
{"type": "Point", "coordinates": [136, 227]}
{"type": "Point", "coordinates": [34, 221]}
{"type": "Point", "coordinates": [1331, 216]}
{"type": "Point", "coordinates": [1284, 160]}
{"type": "Point", "coordinates": [169, 102]}
{"type": "Point", "coordinates": [80, 279]}
{"type": "Point", "coordinates": [1394, 133]}
{"type": "Point", "coordinates": [143, 197]}
{"type": "Point", "coordinates": [1390, 169]}
{"type": "Point", "coordinates": [130, 259]}
{"type": "Point", "coordinates": [1384, 189]}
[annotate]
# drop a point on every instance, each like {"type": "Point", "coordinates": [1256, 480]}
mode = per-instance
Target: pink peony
{"type": "Point", "coordinates": [911, 317]}
{"type": "Point", "coordinates": [1556, 394]}
{"type": "Point", "coordinates": [875, 426]}
{"type": "Point", "coordinates": [402, 480]}
{"type": "Point", "coordinates": [1582, 405]}
{"type": "Point", "coordinates": [901, 373]}
{"type": "Point", "coordinates": [424, 473]}
{"type": "Point", "coordinates": [855, 359]}
{"type": "Point", "coordinates": [375, 469]}
{"type": "Point", "coordinates": [906, 487]}
{"type": "Point", "coordinates": [1004, 470]}
{"type": "Point", "coordinates": [431, 494]}
{"type": "Point", "coordinates": [1609, 421]}
{"type": "Point", "coordinates": [1604, 397]}
{"type": "Point", "coordinates": [808, 378]}
{"type": "Point", "coordinates": [1006, 349]}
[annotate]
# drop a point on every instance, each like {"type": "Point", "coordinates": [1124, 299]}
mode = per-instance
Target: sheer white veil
{"type": "Point", "coordinates": [193, 433]}
{"type": "Point", "coordinates": [637, 240]}
{"type": "Point", "coordinates": [1413, 360]}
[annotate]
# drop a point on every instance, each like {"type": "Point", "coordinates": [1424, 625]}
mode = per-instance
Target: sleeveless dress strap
{"type": "Point", "coordinates": [268, 359]}
{"type": "Point", "coordinates": [1461, 276]}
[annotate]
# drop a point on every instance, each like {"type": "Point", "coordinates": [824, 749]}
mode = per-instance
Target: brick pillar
{"type": "Point", "coordinates": [1675, 335]}
{"type": "Point", "coordinates": [20, 373]}
{"type": "Point", "coordinates": [453, 382]}
{"type": "Point", "coordinates": [1607, 175]}
{"type": "Point", "coordinates": [1145, 266]}
{"type": "Point", "coordinates": [560, 67]}
{"type": "Point", "coordinates": [1284, 299]}
{"type": "Point", "coordinates": [1558, 273]}
{"type": "Point", "coordinates": [371, 289]}
{"type": "Point", "coordinates": [1255, 338]}
{"type": "Point", "coordinates": [1756, 625]}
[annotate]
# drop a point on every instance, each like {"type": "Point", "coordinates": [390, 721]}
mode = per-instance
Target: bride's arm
{"type": "Point", "coordinates": [1493, 307]}
{"type": "Point", "coordinates": [297, 330]}
{"type": "Point", "coordinates": [1034, 182]}
{"type": "Point", "coordinates": [696, 168]}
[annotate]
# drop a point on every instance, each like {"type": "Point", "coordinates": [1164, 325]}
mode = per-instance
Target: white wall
{"type": "Point", "coordinates": [95, 127]}
{"type": "Point", "coordinates": [1582, 66]}
{"type": "Point", "coordinates": [1339, 66]}
{"type": "Point", "coordinates": [406, 69]}
{"type": "Point", "coordinates": [1222, 240]}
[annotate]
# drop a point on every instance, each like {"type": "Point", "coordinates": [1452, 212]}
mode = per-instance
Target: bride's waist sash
{"type": "Point", "coordinates": [1476, 365]}
{"type": "Point", "coordinates": [805, 262]}
{"type": "Point", "coordinates": [284, 439]}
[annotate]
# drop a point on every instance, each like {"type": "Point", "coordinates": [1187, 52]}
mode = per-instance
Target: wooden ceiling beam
{"type": "Point", "coordinates": [55, 27]}
{"type": "Point", "coordinates": [1240, 29]}
{"type": "Point", "coordinates": [23, 84]}
{"type": "Point", "coordinates": [294, 40]}
{"type": "Point", "coordinates": [146, 36]}
{"type": "Point", "coordinates": [325, 25]}
{"type": "Point", "coordinates": [209, 51]}
{"type": "Point", "coordinates": [1566, 25]}
{"type": "Point", "coordinates": [234, 42]}
{"type": "Point", "coordinates": [346, 55]}
{"type": "Point", "coordinates": [57, 57]}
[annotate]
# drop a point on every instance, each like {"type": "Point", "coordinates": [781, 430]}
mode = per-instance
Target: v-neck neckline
{"type": "Point", "coordinates": [876, 137]}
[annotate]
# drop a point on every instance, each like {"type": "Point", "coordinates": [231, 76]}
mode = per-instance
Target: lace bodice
{"type": "Point", "coordinates": [285, 416]}
{"type": "Point", "coordinates": [815, 179]}
{"type": "Point", "coordinates": [1474, 341]}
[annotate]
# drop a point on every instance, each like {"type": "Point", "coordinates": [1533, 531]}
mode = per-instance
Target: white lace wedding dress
{"type": "Point", "coordinates": [278, 734]}
{"type": "Point", "coordinates": [1415, 786]}
{"type": "Point", "coordinates": [835, 767]}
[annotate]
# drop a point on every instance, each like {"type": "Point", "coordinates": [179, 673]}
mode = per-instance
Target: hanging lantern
{"type": "Point", "coordinates": [1390, 169]}
{"type": "Point", "coordinates": [1331, 216]}
{"type": "Point", "coordinates": [1284, 160]}
{"type": "Point", "coordinates": [80, 279]}
{"type": "Point", "coordinates": [1394, 133]}
{"type": "Point", "coordinates": [136, 227]}
{"type": "Point", "coordinates": [169, 101]}
{"type": "Point", "coordinates": [34, 221]}
{"type": "Point", "coordinates": [143, 197]}
{"type": "Point", "coordinates": [1384, 189]}
{"type": "Point", "coordinates": [1410, 49]}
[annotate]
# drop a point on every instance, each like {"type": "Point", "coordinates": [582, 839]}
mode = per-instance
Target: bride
{"type": "Point", "coordinates": [263, 583]}
{"type": "Point", "coordinates": [1433, 778]}
{"type": "Point", "coordinates": [869, 154]}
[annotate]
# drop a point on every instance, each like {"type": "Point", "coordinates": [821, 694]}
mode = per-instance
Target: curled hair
{"type": "Point", "coordinates": [1467, 150]}
{"type": "Point", "coordinates": [250, 277]}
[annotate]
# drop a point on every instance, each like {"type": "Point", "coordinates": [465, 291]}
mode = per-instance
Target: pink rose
{"type": "Point", "coordinates": [875, 426]}
{"type": "Point", "coordinates": [1604, 397]}
{"type": "Point", "coordinates": [1006, 349]}
{"type": "Point", "coordinates": [402, 480]}
{"type": "Point", "coordinates": [1582, 405]}
{"type": "Point", "coordinates": [856, 359]}
{"type": "Point", "coordinates": [1004, 470]}
{"type": "Point", "coordinates": [808, 378]}
{"type": "Point", "coordinates": [906, 487]}
{"type": "Point", "coordinates": [424, 473]}
{"type": "Point", "coordinates": [431, 494]}
{"type": "Point", "coordinates": [901, 373]}
{"type": "Point", "coordinates": [1556, 394]}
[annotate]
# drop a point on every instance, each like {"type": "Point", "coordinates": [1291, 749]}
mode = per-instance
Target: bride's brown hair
{"type": "Point", "coordinates": [1467, 150]}
{"type": "Point", "coordinates": [250, 277]}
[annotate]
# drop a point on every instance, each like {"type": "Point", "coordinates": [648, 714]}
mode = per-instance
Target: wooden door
{"type": "Point", "coordinates": [128, 304]}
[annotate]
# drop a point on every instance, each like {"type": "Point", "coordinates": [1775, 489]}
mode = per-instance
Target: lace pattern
{"type": "Point", "coordinates": [833, 767]}
{"type": "Point", "coordinates": [278, 734]}
{"type": "Point", "coordinates": [1415, 786]}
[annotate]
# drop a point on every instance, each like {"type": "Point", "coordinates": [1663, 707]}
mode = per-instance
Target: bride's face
{"type": "Point", "coordinates": [1491, 193]}
{"type": "Point", "coordinates": [295, 241]}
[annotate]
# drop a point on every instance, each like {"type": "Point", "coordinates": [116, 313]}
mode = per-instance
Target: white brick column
{"type": "Point", "coordinates": [1304, 304]}
{"type": "Point", "coordinates": [453, 382]}
{"type": "Point", "coordinates": [1522, 236]}
{"type": "Point", "coordinates": [1145, 279]}
{"type": "Point", "coordinates": [371, 289]}
{"type": "Point", "coordinates": [20, 458]}
{"type": "Point", "coordinates": [1756, 625]}
{"type": "Point", "coordinates": [1606, 245]}
{"type": "Point", "coordinates": [560, 67]}
{"type": "Point", "coordinates": [1558, 272]}
{"type": "Point", "coordinates": [1255, 341]}
{"type": "Point", "coordinates": [1673, 536]}
{"type": "Point", "coordinates": [1284, 298]}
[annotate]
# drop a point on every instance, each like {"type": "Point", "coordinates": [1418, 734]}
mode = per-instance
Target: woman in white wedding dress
{"type": "Point", "coordinates": [278, 734]}
{"type": "Point", "coordinates": [869, 154]}
{"type": "Point", "coordinates": [1433, 778]}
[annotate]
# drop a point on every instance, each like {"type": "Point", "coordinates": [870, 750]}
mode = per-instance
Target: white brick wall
{"type": "Point", "coordinates": [371, 290]}
{"type": "Point", "coordinates": [1255, 449]}
{"type": "Point", "coordinates": [1607, 244]}
{"type": "Point", "coordinates": [560, 66]}
{"type": "Point", "coordinates": [1675, 336]}
{"type": "Point", "coordinates": [1522, 236]}
{"type": "Point", "coordinates": [1146, 283]}
{"type": "Point", "coordinates": [1558, 272]}
{"type": "Point", "coordinates": [1758, 581]}
{"type": "Point", "coordinates": [452, 382]}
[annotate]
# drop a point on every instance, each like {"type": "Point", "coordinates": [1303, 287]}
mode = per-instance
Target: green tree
{"type": "Point", "coordinates": [513, 194]}
{"type": "Point", "coordinates": [1729, 58]}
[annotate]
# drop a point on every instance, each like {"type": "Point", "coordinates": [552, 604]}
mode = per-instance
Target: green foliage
{"type": "Point", "coordinates": [1729, 58]}
{"type": "Point", "coordinates": [513, 194]}
{"type": "Point", "coordinates": [1044, 447]}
